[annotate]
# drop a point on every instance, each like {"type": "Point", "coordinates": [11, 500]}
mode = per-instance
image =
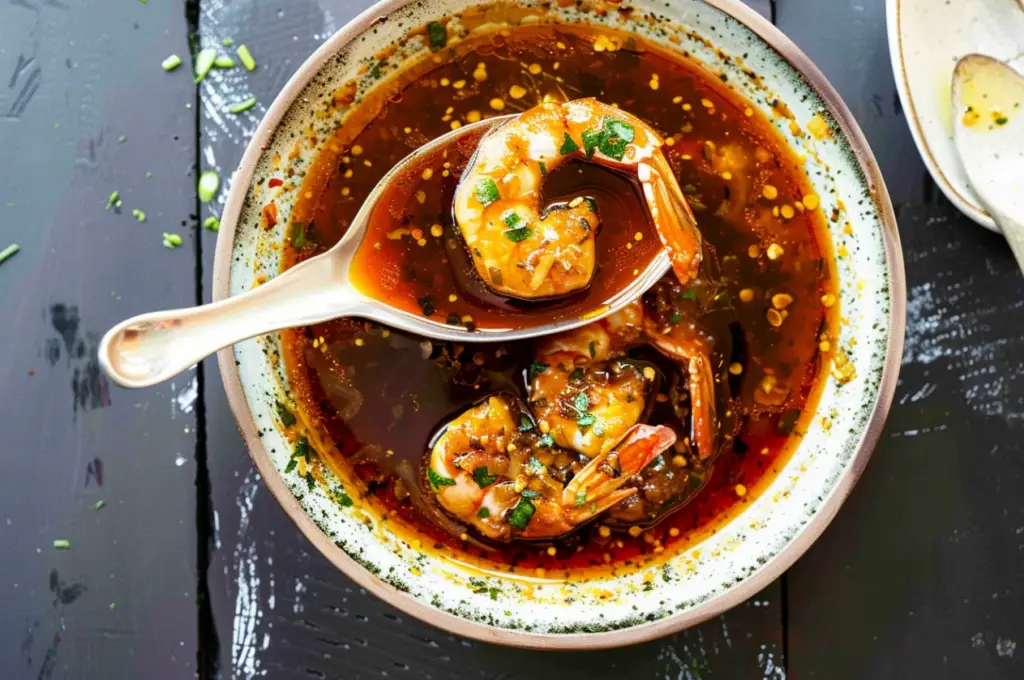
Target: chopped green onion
{"type": "Point", "coordinates": [593, 349]}
{"type": "Point", "coordinates": [517, 235]}
{"type": "Point", "coordinates": [487, 191]}
{"type": "Point", "coordinates": [62, 544]}
{"type": "Point", "coordinates": [437, 480]}
{"type": "Point", "coordinates": [437, 34]}
{"type": "Point", "coordinates": [576, 374]}
{"type": "Point", "coordinates": [139, 215]}
{"type": "Point", "coordinates": [172, 62]}
{"type": "Point", "coordinates": [99, 505]}
{"type": "Point", "coordinates": [246, 57]}
{"type": "Point", "coordinates": [171, 241]}
{"type": "Point", "coordinates": [343, 499]}
{"type": "Point", "coordinates": [483, 477]}
{"type": "Point", "coordinates": [113, 200]}
{"type": "Point", "coordinates": [1002, 120]}
{"type": "Point", "coordinates": [243, 105]}
{"type": "Point", "coordinates": [536, 368]}
{"type": "Point", "coordinates": [568, 145]}
{"type": "Point", "coordinates": [209, 182]}
{"type": "Point", "coordinates": [227, 42]}
{"type": "Point", "coordinates": [8, 252]}
{"type": "Point", "coordinates": [581, 498]}
{"type": "Point", "coordinates": [204, 62]}
{"type": "Point", "coordinates": [149, 174]}
{"type": "Point", "coordinates": [483, 513]}
{"type": "Point", "coordinates": [521, 514]}
{"type": "Point", "coordinates": [224, 61]}
{"type": "Point", "coordinates": [211, 223]}
{"type": "Point", "coordinates": [122, 139]}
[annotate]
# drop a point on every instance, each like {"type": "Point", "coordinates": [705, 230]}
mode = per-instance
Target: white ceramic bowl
{"type": "Point", "coordinates": [750, 551]}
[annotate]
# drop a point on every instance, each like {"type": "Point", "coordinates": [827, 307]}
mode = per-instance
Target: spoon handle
{"type": "Point", "coordinates": [151, 348]}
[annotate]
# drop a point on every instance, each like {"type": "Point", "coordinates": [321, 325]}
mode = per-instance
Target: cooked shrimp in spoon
{"type": "Point", "coordinates": [526, 250]}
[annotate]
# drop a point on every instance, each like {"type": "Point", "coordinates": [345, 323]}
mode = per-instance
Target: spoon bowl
{"type": "Point", "coordinates": [988, 129]}
{"type": "Point", "coordinates": [150, 348]}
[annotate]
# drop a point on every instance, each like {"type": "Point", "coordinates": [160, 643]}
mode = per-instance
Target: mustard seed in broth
{"type": "Point", "coordinates": [382, 395]}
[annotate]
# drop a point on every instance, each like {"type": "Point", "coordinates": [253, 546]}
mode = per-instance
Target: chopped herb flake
{"type": "Point", "coordinates": [511, 219]}
{"type": "Point", "coordinates": [676, 317]}
{"type": "Point", "coordinates": [298, 235]}
{"type": "Point", "coordinates": [534, 465]}
{"type": "Point", "coordinates": [487, 191]}
{"type": "Point", "coordinates": [577, 374]}
{"type": "Point", "coordinates": [546, 440]}
{"type": "Point", "coordinates": [690, 294]}
{"type": "Point", "coordinates": [536, 368]}
{"type": "Point", "coordinates": [586, 420]}
{"type": "Point", "coordinates": [590, 140]}
{"type": "Point", "coordinates": [593, 349]}
{"type": "Point", "coordinates": [113, 200]}
{"type": "Point", "coordinates": [227, 42]}
{"type": "Point", "coordinates": [204, 62]}
{"type": "Point", "coordinates": [437, 481]}
{"type": "Point", "coordinates": [521, 514]}
{"type": "Point", "coordinates": [343, 499]}
{"type": "Point", "coordinates": [65, 544]}
{"type": "Point", "coordinates": [1002, 120]}
{"type": "Point", "coordinates": [170, 63]}
{"type": "Point", "coordinates": [9, 252]}
{"type": "Point", "coordinates": [582, 402]}
{"type": "Point", "coordinates": [568, 145]}
{"type": "Point", "coordinates": [209, 183]}
{"type": "Point", "coordinates": [243, 105]}
{"type": "Point", "coordinates": [122, 139]}
{"type": "Point", "coordinates": [483, 478]}
{"type": "Point", "coordinates": [245, 56]}
{"type": "Point", "coordinates": [224, 61]}
{"type": "Point", "coordinates": [99, 505]}
{"type": "Point", "coordinates": [286, 416]}
{"type": "Point", "coordinates": [483, 513]}
{"type": "Point", "coordinates": [517, 235]}
{"type": "Point", "coordinates": [543, 168]}
{"type": "Point", "coordinates": [525, 422]}
{"type": "Point", "coordinates": [530, 494]}
{"type": "Point", "coordinates": [581, 498]}
{"type": "Point", "coordinates": [437, 33]}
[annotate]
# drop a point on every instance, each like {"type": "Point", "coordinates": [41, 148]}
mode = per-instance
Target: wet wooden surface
{"type": "Point", "coordinates": [191, 566]}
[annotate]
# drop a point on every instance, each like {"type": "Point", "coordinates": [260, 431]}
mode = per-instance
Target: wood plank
{"type": "Point", "coordinates": [280, 607]}
{"type": "Point", "coordinates": [919, 575]}
{"type": "Point", "coordinates": [121, 602]}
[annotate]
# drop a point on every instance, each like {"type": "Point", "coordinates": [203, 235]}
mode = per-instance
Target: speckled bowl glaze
{"type": "Point", "coordinates": [774, 529]}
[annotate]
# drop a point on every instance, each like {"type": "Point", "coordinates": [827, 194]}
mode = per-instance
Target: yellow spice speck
{"type": "Point", "coordinates": [534, 68]}
{"type": "Point", "coordinates": [407, 130]}
{"type": "Point", "coordinates": [679, 460]}
{"type": "Point", "coordinates": [604, 531]}
{"type": "Point", "coordinates": [463, 537]}
{"type": "Point", "coordinates": [357, 150]}
{"type": "Point", "coordinates": [670, 141]}
{"type": "Point", "coordinates": [368, 163]}
{"type": "Point", "coordinates": [649, 372]}
{"type": "Point", "coordinates": [638, 236]}
{"type": "Point", "coordinates": [811, 201]}
{"type": "Point", "coordinates": [517, 92]}
{"type": "Point", "coordinates": [842, 252]}
{"type": "Point", "coordinates": [673, 532]}
{"type": "Point", "coordinates": [707, 103]}
{"type": "Point", "coordinates": [445, 82]}
{"type": "Point", "coordinates": [427, 174]}
{"type": "Point", "coordinates": [421, 242]}
{"type": "Point", "coordinates": [741, 490]}
{"type": "Point", "coordinates": [748, 112]}
{"type": "Point", "coordinates": [687, 107]}
{"type": "Point", "coordinates": [497, 104]}
{"type": "Point", "coordinates": [437, 231]}
{"type": "Point", "coordinates": [787, 211]}
{"type": "Point", "coordinates": [736, 368]}
{"type": "Point", "coordinates": [540, 572]}
{"type": "Point", "coordinates": [781, 300]}
{"type": "Point", "coordinates": [775, 251]}
{"type": "Point", "coordinates": [827, 300]}
{"type": "Point", "coordinates": [770, 192]}
{"type": "Point", "coordinates": [348, 173]}
{"type": "Point", "coordinates": [824, 345]}
{"type": "Point", "coordinates": [552, 551]}
{"type": "Point", "coordinates": [421, 197]}
{"type": "Point", "coordinates": [635, 531]}
{"type": "Point", "coordinates": [360, 342]}
{"type": "Point", "coordinates": [345, 191]}
{"type": "Point", "coordinates": [456, 124]}
{"type": "Point", "coordinates": [746, 295]}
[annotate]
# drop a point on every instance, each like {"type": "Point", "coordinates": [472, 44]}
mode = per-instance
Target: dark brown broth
{"type": "Point", "coordinates": [380, 394]}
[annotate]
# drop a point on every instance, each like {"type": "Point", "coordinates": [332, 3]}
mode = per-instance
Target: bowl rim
{"type": "Point", "coordinates": [743, 590]}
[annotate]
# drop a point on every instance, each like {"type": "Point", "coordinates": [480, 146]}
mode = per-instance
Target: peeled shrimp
{"type": "Point", "coordinates": [525, 250]}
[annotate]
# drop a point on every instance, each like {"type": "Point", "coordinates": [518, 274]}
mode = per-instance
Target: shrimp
{"type": "Point", "coordinates": [595, 356]}
{"type": "Point", "coordinates": [524, 251]}
{"type": "Point", "coordinates": [494, 470]}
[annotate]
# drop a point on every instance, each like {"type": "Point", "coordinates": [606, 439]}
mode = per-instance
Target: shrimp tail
{"type": "Point", "coordinates": [592, 485]}
{"type": "Point", "coordinates": [673, 218]}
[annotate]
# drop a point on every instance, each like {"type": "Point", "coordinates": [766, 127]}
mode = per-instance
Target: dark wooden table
{"type": "Point", "coordinates": [190, 567]}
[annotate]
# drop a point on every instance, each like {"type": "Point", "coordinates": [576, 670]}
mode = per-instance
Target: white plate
{"type": "Point", "coordinates": [926, 38]}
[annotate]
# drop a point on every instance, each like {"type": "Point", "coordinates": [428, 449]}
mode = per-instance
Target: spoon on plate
{"type": "Point", "coordinates": [988, 128]}
{"type": "Point", "coordinates": [151, 348]}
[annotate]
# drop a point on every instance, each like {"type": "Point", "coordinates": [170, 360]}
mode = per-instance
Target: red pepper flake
{"type": "Point", "coordinates": [270, 214]}
{"type": "Point", "coordinates": [275, 182]}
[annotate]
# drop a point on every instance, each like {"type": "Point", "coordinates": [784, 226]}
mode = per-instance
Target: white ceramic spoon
{"type": "Point", "coordinates": [151, 348]}
{"type": "Point", "coordinates": [988, 127]}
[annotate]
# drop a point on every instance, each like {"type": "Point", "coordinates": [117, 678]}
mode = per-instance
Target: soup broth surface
{"type": "Point", "coordinates": [379, 396]}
